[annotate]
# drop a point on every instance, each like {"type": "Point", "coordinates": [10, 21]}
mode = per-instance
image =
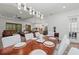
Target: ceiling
{"type": "Point", "coordinates": [10, 9]}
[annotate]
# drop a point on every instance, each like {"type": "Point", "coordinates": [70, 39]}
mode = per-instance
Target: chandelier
{"type": "Point", "coordinates": [32, 11]}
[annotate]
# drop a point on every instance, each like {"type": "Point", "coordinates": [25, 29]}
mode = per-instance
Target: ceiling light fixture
{"type": "Point", "coordinates": [32, 11]}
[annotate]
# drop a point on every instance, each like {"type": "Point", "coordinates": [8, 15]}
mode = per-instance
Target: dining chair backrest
{"type": "Point", "coordinates": [73, 51]}
{"type": "Point", "coordinates": [11, 40]}
{"type": "Point", "coordinates": [29, 36]}
{"type": "Point", "coordinates": [37, 34]}
{"type": "Point", "coordinates": [38, 52]}
{"type": "Point", "coordinates": [40, 37]}
{"type": "Point", "coordinates": [63, 45]}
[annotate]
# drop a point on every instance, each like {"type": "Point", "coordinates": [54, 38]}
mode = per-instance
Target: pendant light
{"type": "Point", "coordinates": [32, 11]}
{"type": "Point", "coordinates": [19, 6]}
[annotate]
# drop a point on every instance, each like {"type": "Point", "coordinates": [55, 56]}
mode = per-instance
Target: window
{"type": "Point", "coordinates": [14, 26]}
{"type": "Point", "coordinates": [28, 27]}
{"type": "Point", "coordinates": [73, 28]}
{"type": "Point", "coordinates": [73, 25]}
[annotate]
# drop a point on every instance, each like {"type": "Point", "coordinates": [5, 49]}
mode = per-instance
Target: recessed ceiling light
{"type": "Point", "coordinates": [64, 7]}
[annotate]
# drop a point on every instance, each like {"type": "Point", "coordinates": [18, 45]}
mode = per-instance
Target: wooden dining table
{"type": "Point", "coordinates": [30, 46]}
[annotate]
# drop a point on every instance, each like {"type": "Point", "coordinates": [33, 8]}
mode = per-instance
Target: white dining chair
{"type": "Point", "coordinates": [62, 46]}
{"type": "Point", "coordinates": [73, 51]}
{"type": "Point", "coordinates": [37, 34]}
{"type": "Point", "coordinates": [39, 37]}
{"type": "Point", "coordinates": [11, 40]}
{"type": "Point", "coordinates": [29, 36]}
{"type": "Point", "coordinates": [38, 52]}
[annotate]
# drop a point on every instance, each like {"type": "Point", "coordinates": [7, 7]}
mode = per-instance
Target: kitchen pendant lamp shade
{"type": "Point", "coordinates": [30, 10]}
{"type": "Point", "coordinates": [25, 7]}
{"type": "Point", "coordinates": [19, 6]}
{"type": "Point", "coordinates": [33, 12]}
{"type": "Point", "coordinates": [37, 14]}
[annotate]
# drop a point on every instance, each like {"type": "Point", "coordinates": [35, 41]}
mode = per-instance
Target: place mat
{"type": "Point", "coordinates": [49, 44]}
{"type": "Point", "coordinates": [20, 45]}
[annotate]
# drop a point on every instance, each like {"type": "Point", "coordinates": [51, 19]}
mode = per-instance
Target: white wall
{"type": "Point", "coordinates": [61, 21]}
